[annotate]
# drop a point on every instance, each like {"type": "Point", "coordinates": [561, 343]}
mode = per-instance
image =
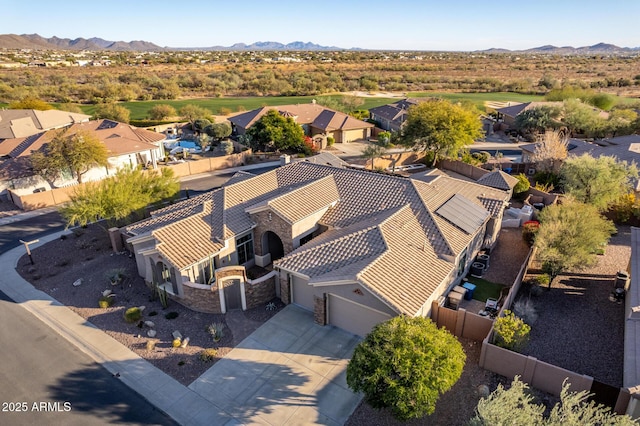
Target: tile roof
{"type": "Point", "coordinates": [302, 202]}
{"type": "Point", "coordinates": [380, 228]}
{"type": "Point", "coordinates": [118, 138]}
{"type": "Point", "coordinates": [20, 123]}
{"type": "Point", "coordinates": [313, 114]}
{"type": "Point", "coordinates": [498, 179]}
{"type": "Point", "coordinates": [186, 241]}
{"type": "Point", "coordinates": [624, 148]}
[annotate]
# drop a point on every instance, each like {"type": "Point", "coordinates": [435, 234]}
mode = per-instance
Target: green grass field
{"type": "Point", "coordinates": [479, 98]}
{"type": "Point", "coordinates": [140, 109]}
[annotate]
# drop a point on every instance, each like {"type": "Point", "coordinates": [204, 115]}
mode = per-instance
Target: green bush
{"type": "Point", "coordinates": [133, 314]}
{"type": "Point", "coordinates": [208, 355]}
{"type": "Point", "coordinates": [105, 301]}
{"type": "Point", "coordinates": [522, 185]}
{"type": "Point", "coordinates": [511, 332]}
{"type": "Point", "coordinates": [330, 140]}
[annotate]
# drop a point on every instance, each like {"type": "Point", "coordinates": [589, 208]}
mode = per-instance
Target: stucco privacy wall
{"type": "Point", "coordinates": [62, 195]}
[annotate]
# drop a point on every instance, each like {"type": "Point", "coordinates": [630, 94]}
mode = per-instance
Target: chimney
{"type": "Point", "coordinates": [285, 159]}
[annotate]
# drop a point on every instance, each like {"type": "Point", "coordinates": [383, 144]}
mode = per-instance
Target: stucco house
{"type": "Point", "coordinates": [20, 123]}
{"type": "Point", "coordinates": [127, 145]}
{"type": "Point", "coordinates": [314, 119]}
{"type": "Point", "coordinates": [354, 247]}
{"type": "Point", "coordinates": [391, 117]}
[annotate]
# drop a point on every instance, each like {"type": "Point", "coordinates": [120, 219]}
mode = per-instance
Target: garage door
{"type": "Point", "coordinates": [302, 293]}
{"type": "Point", "coordinates": [353, 317]}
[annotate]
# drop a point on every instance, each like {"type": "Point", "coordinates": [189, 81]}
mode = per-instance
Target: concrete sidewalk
{"type": "Point", "coordinates": [179, 402]}
{"type": "Point", "coordinates": [289, 371]}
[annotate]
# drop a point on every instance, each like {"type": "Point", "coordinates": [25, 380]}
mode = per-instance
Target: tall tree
{"type": "Point", "coordinates": [77, 153]}
{"type": "Point", "coordinates": [277, 131]}
{"type": "Point", "coordinates": [550, 151]}
{"type": "Point", "coordinates": [440, 127]}
{"type": "Point", "coordinates": [191, 113]}
{"type": "Point", "coordinates": [569, 235]}
{"type": "Point", "coordinates": [537, 120]}
{"type": "Point", "coordinates": [516, 406]}
{"type": "Point", "coordinates": [405, 364]}
{"type": "Point", "coordinates": [597, 181]}
{"type": "Point", "coordinates": [119, 197]}
{"type": "Point", "coordinates": [112, 111]}
{"type": "Point", "coordinates": [162, 111]}
{"type": "Point", "coordinates": [218, 130]}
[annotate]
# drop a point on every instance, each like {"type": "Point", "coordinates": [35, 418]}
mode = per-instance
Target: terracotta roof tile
{"type": "Point", "coordinates": [187, 241]}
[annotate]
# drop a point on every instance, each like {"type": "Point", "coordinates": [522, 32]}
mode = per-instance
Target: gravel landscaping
{"type": "Point", "coordinates": [578, 327]}
{"type": "Point", "coordinates": [86, 255]}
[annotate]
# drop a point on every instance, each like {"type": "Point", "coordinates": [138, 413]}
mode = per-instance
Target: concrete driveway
{"type": "Point", "coordinates": [290, 371]}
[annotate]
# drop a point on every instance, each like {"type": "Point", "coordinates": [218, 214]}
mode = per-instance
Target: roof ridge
{"type": "Point", "coordinates": [333, 241]}
{"type": "Point", "coordinates": [434, 222]}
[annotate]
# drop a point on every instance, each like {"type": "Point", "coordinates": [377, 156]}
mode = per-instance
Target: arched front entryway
{"type": "Point", "coordinates": [272, 244]}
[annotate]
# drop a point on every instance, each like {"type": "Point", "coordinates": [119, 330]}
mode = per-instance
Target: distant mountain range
{"type": "Point", "coordinates": [34, 41]}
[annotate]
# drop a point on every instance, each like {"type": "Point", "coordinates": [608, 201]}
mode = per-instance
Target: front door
{"type": "Point", "coordinates": [232, 297]}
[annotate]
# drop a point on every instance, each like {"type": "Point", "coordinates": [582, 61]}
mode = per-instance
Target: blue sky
{"type": "Point", "coordinates": [374, 24]}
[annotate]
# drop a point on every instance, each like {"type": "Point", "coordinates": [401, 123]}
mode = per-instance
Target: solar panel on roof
{"type": "Point", "coordinates": [463, 213]}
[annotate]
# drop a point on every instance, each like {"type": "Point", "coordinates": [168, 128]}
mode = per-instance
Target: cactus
{"type": "Point", "coordinates": [176, 343]}
{"type": "Point", "coordinates": [162, 295]}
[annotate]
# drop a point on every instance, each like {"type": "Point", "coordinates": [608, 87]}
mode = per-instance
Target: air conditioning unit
{"type": "Point", "coordinates": [531, 171]}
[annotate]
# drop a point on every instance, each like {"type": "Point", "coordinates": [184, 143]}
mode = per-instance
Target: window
{"type": "Point", "coordinates": [244, 247]}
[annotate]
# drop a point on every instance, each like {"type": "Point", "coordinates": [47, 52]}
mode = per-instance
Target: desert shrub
{"type": "Point", "coordinates": [525, 310]}
{"type": "Point", "coordinates": [227, 147]}
{"type": "Point", "coordinates": [105, 301]}
{"type": "Point", "coordinates": [482, 156]}
{"type": "Point", "coordinates": [151, 344]}
{"type": "Point", "coordinates": [133, 314]}
{"type": "Point", "coordinates": [511, 332]}
{"type": "Point", "coordinates": [176, 342]}
{"type": "Point", "coordinates": [543, 279]}
{"type": "Point", "coordinates": [208, 355]}
{"type": "Point", "coordinates": [115, 275]}
{"type": "Point", "coordinates": [547, 180]}
{"type": "Point", "coordinates": [522, 185]}
{"type": "Point", "coordinates": [171, 315]}
{"type": "Point", "coordinates": [529, 230]}
{"type": "Point", "coordinates": [216, 330]}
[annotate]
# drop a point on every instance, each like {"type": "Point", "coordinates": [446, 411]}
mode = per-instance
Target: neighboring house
{"type": "Point", "coordinates": [314, 119]}
{"type": "Point", "coordinates": [624, 148]}
{"type": "Point", "coordinates": [127, 145]}
{"type": "Point", "coordinates": [20, 123]}
{"type": "Point", "coordinates": [509, 113]}
{"type": "Point", "coordinates": [354, 247]}
{"type": "Point", "coordinates": [391, 117]}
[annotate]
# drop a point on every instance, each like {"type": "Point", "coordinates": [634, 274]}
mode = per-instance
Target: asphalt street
{"type": "Point", "coordinates": [28, 230]}
{"type": "Point", "coordinates": [47, 381]}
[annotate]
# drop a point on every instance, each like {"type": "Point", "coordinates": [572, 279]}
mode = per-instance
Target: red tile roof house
{"type": "Point", "coordinates": [314, 119]}
{"type": "Point", "coordinates": [127, 145]}
{"type": "Point", "coordinates": [354, 247]}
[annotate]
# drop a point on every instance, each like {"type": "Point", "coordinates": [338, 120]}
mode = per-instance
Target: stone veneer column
{"type": "Point", "coordinates": [320, 309]}
{"type": "Point", "coordinates": [116, 239]}
{"type": "Point", "coordinates": [285, 293]}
